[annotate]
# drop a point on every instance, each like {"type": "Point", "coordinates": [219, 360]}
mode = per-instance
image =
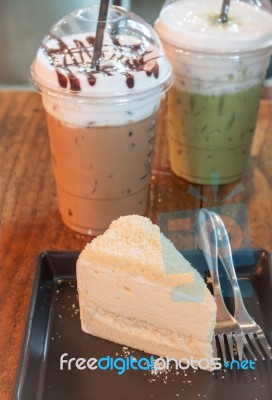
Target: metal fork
{"type": "Point", "coordinates": [250, 328]}
{"type": "Point", "coordinates": [226, 325]}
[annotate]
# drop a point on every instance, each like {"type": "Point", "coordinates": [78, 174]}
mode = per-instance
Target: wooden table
{"type": "Point", "coordinates": [30, 222]}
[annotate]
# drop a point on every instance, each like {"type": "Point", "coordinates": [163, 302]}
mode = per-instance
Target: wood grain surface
{"type": "Point", "coordinates": [30, 221]}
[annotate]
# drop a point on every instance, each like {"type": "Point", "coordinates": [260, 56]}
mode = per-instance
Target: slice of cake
{"type": "Point", "coordinates": [136, 289]}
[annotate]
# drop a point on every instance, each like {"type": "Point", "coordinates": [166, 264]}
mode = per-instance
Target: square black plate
{"type": "Point", "coordinates": [53, 328]}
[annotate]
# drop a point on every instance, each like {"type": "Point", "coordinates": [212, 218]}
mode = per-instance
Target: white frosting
{"type": "Point", "coordinates": [110, 101]}
{"type": "Point", "coordinates": [211, 58]}
{"type": "Point", "coordinates": [191, 23]}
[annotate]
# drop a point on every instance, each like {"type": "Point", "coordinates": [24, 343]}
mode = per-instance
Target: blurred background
{"type": "Point", "coordinates": [24, 23]}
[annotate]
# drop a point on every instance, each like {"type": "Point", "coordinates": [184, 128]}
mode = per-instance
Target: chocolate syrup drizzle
{"type": "Point", "coordinates": [64, 57]}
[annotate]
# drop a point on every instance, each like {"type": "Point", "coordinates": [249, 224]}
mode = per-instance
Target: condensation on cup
{"type": "Point", "coordinates": [101, 121]}
{"type": "Point", "coordinates": [219, 69]}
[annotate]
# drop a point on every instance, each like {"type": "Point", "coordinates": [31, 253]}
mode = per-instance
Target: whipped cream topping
{"type": "Point", "coordinates": [193, 24]}
{"type": "Point", "coordinates": [127, 87]}
{"type": "Point", "coordinates": [127, 65]}
{"type": "Point", "coordinates": [212, 58]}
{"type": "Point", "coordinates": [116, 94]}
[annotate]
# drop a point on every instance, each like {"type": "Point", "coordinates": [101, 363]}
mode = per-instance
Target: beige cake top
{"type": "Point", "coordinates": [136, 245]}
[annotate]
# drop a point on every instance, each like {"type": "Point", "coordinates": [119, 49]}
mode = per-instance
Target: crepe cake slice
{"type": "Point", "coordinates": [136, 289]}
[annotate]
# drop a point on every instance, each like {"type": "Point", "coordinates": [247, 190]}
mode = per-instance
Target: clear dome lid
{"type": "Point", "coordinates": [195, 24]}
{"type": "Point", "coordinates": [132, 58]}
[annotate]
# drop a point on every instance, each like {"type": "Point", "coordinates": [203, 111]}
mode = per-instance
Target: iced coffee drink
{"type": "Point", "coordinates": [219, 71]}
{"type": "Point", "coordinates": [101, 121]}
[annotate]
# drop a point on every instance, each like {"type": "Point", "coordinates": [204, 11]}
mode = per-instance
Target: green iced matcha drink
{"type": "Point", "coordinates": [211, 133]}
{"type": "Point", "coordinates": [219, 70]}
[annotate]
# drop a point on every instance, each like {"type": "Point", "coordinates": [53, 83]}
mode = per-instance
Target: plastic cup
{"type": "Point", "coordinates": [219, 70]}
{"type": "Point", "coordinates": [101, 122]}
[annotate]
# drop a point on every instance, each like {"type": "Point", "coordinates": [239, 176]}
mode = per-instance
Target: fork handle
{"type": "Point", "coordinates": [222, 311]}
{"type": "Point", "coordinates": [208, 243]}
{"type": "Point", "coordinates": [240, 313]}
{"type": "Point", "coordinates": [225, 254]}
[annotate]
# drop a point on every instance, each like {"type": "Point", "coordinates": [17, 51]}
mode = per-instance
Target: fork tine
{"type": "Point", "coordinates": [240, 345]}
{"type": "Point", "coordinates": [265, 345]}
{"type": "Point", "coordinates": [214, 347]}
{"type": "Point", "coordinates": [247, 345]}
{"type": "Point", "coordinates": [255, 345]}
{"type": "Point", "coordinates": [244, 356]}
{"type": "Point", "coordinates": [235, 343]}
{"type": "Point", "coordinates": [222, 346]}
{"type": "Point", "coordinates": [230, 343]}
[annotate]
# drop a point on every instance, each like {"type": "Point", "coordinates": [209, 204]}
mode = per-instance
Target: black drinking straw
{"type": "Point", "coordinates": [100, 28]}
{"type": "Point", "coordinates": [223, 18]}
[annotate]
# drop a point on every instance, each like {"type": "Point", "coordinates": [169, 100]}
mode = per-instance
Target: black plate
{"type": "Point", "coordinates": [53, 328]}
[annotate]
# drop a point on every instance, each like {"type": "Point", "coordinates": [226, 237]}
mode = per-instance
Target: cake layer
{"type": "Point", "coordinates": [144, 337]}
{"type": "Point", "coordinates": [186, 309]}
